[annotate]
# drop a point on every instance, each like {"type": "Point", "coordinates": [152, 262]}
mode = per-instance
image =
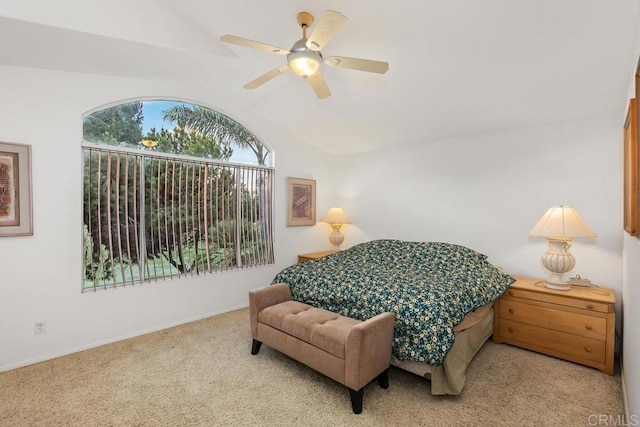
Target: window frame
{"type": "Point", "coordinates": [237, 218]}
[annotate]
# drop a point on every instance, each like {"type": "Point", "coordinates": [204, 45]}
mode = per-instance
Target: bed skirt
{"type": "Point", "coordinates": [449, 378]}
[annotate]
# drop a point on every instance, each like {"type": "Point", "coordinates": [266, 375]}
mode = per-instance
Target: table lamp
{"type": "Point", "coordinates": [560, 224]}
{"type": "Point", "coordinates": [336, 218]}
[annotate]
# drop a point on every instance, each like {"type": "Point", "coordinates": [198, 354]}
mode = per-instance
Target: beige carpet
{"type": "Point", "coordinates": [202, 373]}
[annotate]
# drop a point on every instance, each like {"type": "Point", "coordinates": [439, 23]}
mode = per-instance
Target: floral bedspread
{"type": "Point", "coordinates": [430, 287]}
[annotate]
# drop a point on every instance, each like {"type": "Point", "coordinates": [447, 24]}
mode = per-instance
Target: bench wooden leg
{"type": "Point", "coordinates": [255, 346]}
{"type": "Point", "coordinates": [356, 400]}
{"type": "Point", "coordinates": [383, 379]}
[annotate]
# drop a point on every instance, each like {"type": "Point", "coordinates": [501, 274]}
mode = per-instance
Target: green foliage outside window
{"type": "Point", "coordinates": [149, 216]}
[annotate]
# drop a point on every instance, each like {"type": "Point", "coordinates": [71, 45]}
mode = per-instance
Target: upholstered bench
{"type": "Point", "coordinates": [350, 351]}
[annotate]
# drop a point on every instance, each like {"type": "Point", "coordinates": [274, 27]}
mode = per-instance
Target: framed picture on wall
{"type": "Point", "coordinates": [630, 170]}
{"type": "Point", "coordinates": [632, 162]}
{"type": "Point", "coordinates": [301, 202]}
{"type": "Point", "coordinates": [15, 190]}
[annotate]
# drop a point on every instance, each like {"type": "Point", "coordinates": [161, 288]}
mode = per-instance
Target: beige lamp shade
{"type": "Point", "coordinates": [336, 216]}
{"type": "Point", "coordinates": [561, 222]}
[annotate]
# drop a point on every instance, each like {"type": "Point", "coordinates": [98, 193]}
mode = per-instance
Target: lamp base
{"type": "Point", "coordinates": [557, 286]}
{"type": "Point", "coordinates": [558, 261]}
{"type": "Point", "coordinates": [336, 237]}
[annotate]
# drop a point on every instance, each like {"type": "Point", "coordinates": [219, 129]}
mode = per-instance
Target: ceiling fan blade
{"type": "Point", "coordinates": [327, 27]}
{"type": "Point", "coordinates": [357, 64]}
{"type": "Point", "coordinates": [319, 85]}
{"type": "Point", "coordinates": [253, 44]}
{"type": "Point", "coordinates": [266, 77]}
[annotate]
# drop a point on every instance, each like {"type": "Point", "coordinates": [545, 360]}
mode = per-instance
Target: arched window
{"type": "Point", "coordinates": [172, 189]}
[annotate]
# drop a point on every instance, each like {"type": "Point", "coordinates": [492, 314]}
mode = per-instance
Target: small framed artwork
{"type": "Point", "coordinates": [631, 161]}
{"type": "Point", "coordinates": [15, 190]}
{"type": "Point", "coordinates": [630, 170]}
{"type": "Point", "coordinates": [301, 202]}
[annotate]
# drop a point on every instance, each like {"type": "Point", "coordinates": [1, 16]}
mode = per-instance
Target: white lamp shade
{"type": "Point", "coordinates": [336, 216]}
{"type": "Point", "coordinates": [561, 222]}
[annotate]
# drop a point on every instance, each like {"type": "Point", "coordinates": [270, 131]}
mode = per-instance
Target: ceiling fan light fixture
{"type": "Point", "coordinates": [304, 63]}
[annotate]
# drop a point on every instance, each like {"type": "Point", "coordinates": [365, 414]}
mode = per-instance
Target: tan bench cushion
{"type": "Point", "coordinates": [320, 328]}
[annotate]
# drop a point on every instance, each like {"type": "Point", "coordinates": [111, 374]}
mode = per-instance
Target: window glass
{"type": "Point", "coordinates": [166, 202]}
{"type": "Point", "coordinates": [177, 128]}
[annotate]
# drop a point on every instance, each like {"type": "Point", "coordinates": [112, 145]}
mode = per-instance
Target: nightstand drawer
{"type": "Point", "coordinates": [572, 345]}
{"type": "Point", "coordinates": [568, 301]}
{"type": "Point", "coordinates": [573, 323]}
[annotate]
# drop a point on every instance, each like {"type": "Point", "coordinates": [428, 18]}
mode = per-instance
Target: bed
{"type": "Point", "coordinates": [441, 294]}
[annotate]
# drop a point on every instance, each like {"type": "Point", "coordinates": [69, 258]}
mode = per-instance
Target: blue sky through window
{"type": "Point", "coordinates": [152, 111]}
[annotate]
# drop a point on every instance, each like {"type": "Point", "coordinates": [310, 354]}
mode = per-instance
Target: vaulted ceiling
{"type": "Point", "coordinates": [456, 66]}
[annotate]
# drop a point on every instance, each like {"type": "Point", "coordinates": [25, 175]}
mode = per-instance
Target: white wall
{"type": "Point", "coordinates": [487, 191]}
{"type": "Point", "coordinates": [40, 275]}
{"type": "Point", "coordinates": [631, 331]}
{"type": "Point", "coordinates": [631, 293]}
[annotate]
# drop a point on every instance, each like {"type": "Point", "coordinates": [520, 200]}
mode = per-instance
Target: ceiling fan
{"type": "Point", "coordinates": [305, 56]}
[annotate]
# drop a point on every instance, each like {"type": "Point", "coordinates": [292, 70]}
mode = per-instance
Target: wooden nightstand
{"type": "Point", "coordinates": [313, 255]}
{"type": "Point", "coordinates": [576, 325]}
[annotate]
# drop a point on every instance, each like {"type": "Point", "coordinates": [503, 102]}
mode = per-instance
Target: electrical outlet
{"type": "Point", "coordinates": [40, 327]}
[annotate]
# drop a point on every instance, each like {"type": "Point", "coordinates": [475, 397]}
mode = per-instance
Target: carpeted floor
{"type": "Point", "coordinates": [202, 374]}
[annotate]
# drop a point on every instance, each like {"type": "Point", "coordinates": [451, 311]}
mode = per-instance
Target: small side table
{"type": "Point", "coordinates": [576, 325]}
{"type": "Point", "coordinates": [313, 255]}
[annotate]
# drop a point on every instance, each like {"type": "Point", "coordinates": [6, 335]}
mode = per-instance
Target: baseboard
{"type": "Point", "coordinates": [625, 402]}
{"type": "Point", "coordinates": [67, 352]}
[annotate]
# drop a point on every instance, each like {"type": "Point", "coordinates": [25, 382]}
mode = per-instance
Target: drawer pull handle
{"type": "Point", "coordinates": [588, 327]}
{"type": "Point", "coordinates": [587, 349]}
{"type": "Point", "coordinates": [590, 306]}
{"type": "Point", "coordinates": [511, 310]}
{"type": "Point", "coordinates": [510, 330]}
